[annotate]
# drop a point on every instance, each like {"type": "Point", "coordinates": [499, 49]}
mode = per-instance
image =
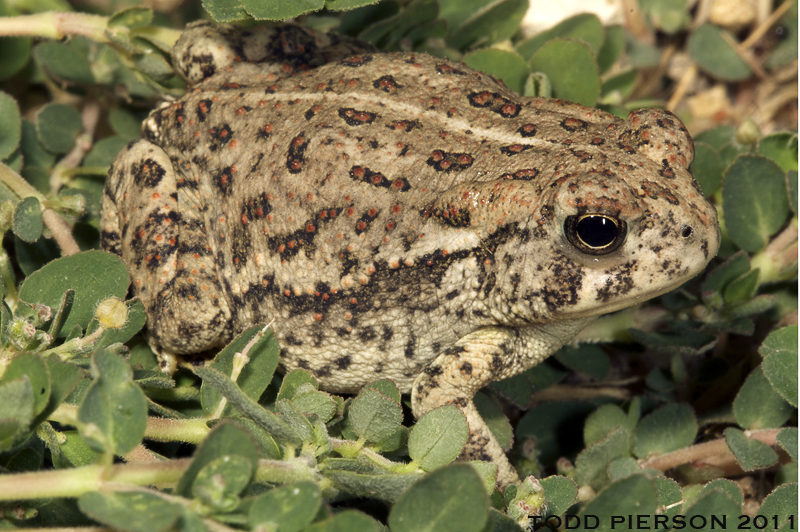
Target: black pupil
{"type": "Point", "coordinates": [596, 231]}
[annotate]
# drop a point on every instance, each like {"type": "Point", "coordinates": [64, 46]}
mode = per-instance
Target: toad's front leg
{"type": "Point", "coordinates": [481, 357]}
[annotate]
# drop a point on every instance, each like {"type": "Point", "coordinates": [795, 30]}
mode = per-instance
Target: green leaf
{"type": "Point", "coordinates": [707, 168]}
{"type": "Point", "coordinates": [28, 223]}
{"type": "Point", "coordinates": [500, 522]}
{"type": "Point", "coordinates": [262, 10]}
{"type": "Point", "coordinates": [492, 414]}
{"type": "Point", "coordinates": [585, 358]}
{"type": "Point", "coordinates": [315, 402]}
{"type": "Point", "coordinates": [227, 439]}
{"type": "Point", "coordinates": [780, 362]}
{"type": "Point", "coordinates": [347, 521]}
{"type": "Point", "coordinates": [33, 151]}
{"type": "Point", "coordinates": [642, 54]}
{"type": "Point", "coordinates": [717, 137]}
{"type": "Point", "coordinates": [374, 416]}
{"type": "Point", "coordinates": [34, 367]}
{"type": "Point", "coordinates": [124, 123]}
{"type": "Point", "coordinates": [225, 10]}
{"type": "Point", "coordinates": [103, 151]}
{"type": "Point", "coordinates": [715, 503]}
{"type": "Point", "coordinates": [18, 402]}
{"type": "Point", "coordinates": [502, 64]}
{"type": "Point", "coordinates": [590, 465]}
{"type": "Point", "coordinates": [668, 428]}
{"type": "Point", "coordinates": [154, 65]}
{"type": "Point", "coordinates": [74, 451]}
{"type": "Point", "coordinates": [735, 266]}
{"type": "Point", "coordinates": [497, 21]}
{"type": "Point", "coordinates": [787, 438]}
{"type": "Point", "coordinates": [136, 511]}
{"type": "Point", "coordinates": [519, 388]}
{"type": "Point", "coordinates": [613, 46]}
{"type": "Point", "coordinates": [571, 68]}
{"type": "Point", "coordinates": [604, 420]}
{"type": "Point", "coordinates": [560, 493]}
{"type": "Point", "coordinates": [634, 495]}
{"type": "Point", "coordinates": [267, 447]}
{"type": "Point", "coordinates": [438, 437]}
{"type": "Point", "coordinates": [289, 508]}
{"type": "Point", "coordinates": [742, 288]}
{"type": "Point", "coordinates": [754, 201]}
{"type": "Point", "coordinates": [758, 405]}
{"type": "Point", "coordinates": [455, 12]}
{"type": "Point", "coordinates": [780, 505]}
{"type": "Point", "coordinates": [386, 487]}
{"type": "Point", "coordinates": [113, 405]}
{"type": "Point", "coordinates": [623, 467]}
{"type": "Point", "coordinates": [15, 51]}
{"type": "Point", "coordinates": [585, 27]}
{"type": "Point", "coordinates": [730, 488]}
{"type": "Point", "coordinates": [390, 30]}
{"type": "Point", "coordinates": [64, 63]}
{"type": "Point", "coordinates": [57, 126]}
{"type": "Point", "coordinates": [292, 381]}
{"type": "Point", "coordinates": [94, 275]}
{"type": "Point", "coordinates": [617, 88]}
{"type": "Point", "coordinates": [450, 499]}
{"type": "Point", "coordinates": [751, 454]}
{"type": "Point", "coordinates": [10, 125]}
{"type": "Point", "coordinates": [345, 5]}
{"type": "Point", "coordinates": [780, 147]}
{"type": "Point", "coordinates": [670, 16]}
{"type": "Point", "coordinates": [669, 495]}
{"type": "Point", "coordinates": [63, 379]}
{"type": "Point", "coordinates": [709, 46]}
{"type": "Point", "coordinates": [387, 387]}
{"type": "Point", "coordinates": [791, 186]}
{"type": "Point", "coordinates": [274, 425]}
{"type": "Point", "coordinates": [296, 420]}
{"type": "Point", "coordinates": [221, 480]}
{"type": "Point", "coordinates": [256, 374]}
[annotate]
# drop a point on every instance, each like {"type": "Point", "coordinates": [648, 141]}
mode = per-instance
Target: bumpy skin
{"type": "Point", "coordinates": [397, 215]}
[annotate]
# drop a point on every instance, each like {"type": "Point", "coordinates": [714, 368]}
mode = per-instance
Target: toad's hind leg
{"type": "Point", "coordinates": [454, 377]}
{"type": "Point", "coordinates": [475, 360]}
{"type": "Point", "coordinates": [154, 220]}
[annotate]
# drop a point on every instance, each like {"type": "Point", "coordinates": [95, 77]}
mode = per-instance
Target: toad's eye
{"type": "Point", "coordinates": [595, 234]}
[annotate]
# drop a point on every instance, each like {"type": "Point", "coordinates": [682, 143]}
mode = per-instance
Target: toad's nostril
{"type": "Point", "coordinates": [687, 231]}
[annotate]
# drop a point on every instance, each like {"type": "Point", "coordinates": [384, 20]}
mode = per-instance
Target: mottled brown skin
{"type": "Point", "coordinates": [397, 215]}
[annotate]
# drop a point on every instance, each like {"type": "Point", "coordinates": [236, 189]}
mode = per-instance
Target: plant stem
{"type": "Point", "coordinates": [239, 362]}
{"type": "Point", "coordinates": [55, 25]}
{"type": "Point", "coordinates": [77, 481]}
{"type": "Point", "coordinates": [192, 430]}
{"type": "Point", "coordinates": [61, 232]}
{"type": "Point", "coordinates": [284, 471]}
{"type": "Point", "coordinates": [705, 452]}
{"type": "Point", "coordinates": [346, 448]}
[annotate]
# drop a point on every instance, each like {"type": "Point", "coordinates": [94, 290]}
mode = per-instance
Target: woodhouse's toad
{"type": "Point", "coordinates": [398, 216]}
